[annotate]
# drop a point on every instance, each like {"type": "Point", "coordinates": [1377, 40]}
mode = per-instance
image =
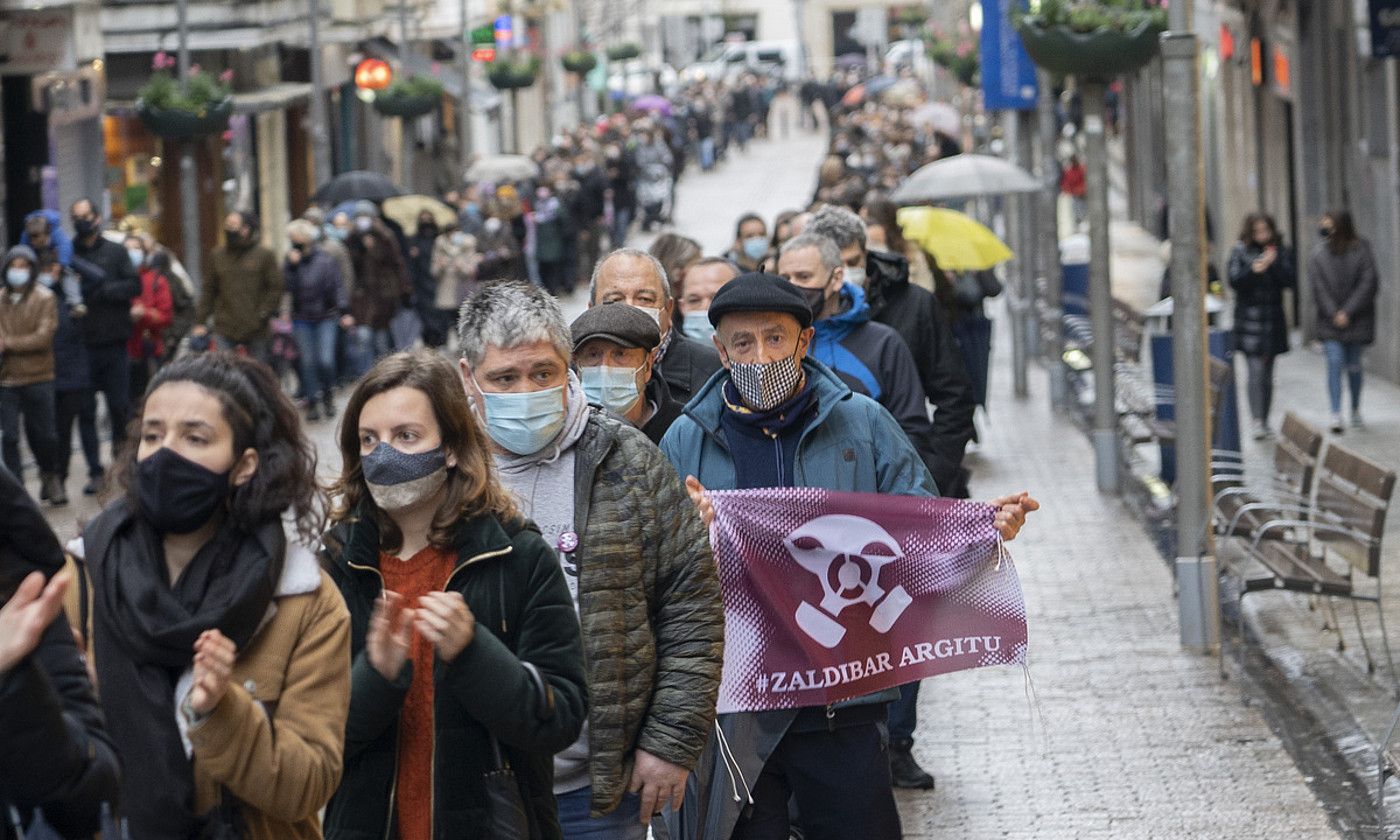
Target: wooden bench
{"type": "Point", "coordinates": [1338, 537]}
{"type": "Point", "coordinates": [1240, 509]}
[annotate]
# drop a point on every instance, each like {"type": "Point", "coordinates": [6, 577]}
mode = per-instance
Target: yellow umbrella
{"type": "Point", "coordinates": [405, 210]}
{"type": "Point", "coordinates": [957, 242]}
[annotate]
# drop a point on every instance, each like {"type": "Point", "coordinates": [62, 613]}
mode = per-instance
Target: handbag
{"type": "Point", "coordinates": [506, 818]}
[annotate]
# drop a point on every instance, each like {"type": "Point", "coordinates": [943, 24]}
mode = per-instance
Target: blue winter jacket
{"type": "Point", "coordinates": [62, 243]}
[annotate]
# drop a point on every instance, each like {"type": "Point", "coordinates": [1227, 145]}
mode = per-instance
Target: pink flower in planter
{"type": "Point", "coordinates": [162, 61]}
{"type": "Point", "coordinates": [963, 49]}
{"type": "Point", "coordinates": [194, 68]}
{"type": "Point", "coordinates": [227, 76]}
{"type": "Point", "coordinates": [227, 136]}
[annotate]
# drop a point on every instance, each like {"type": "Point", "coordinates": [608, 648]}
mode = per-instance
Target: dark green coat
{"type": "Point", "coordinates": [485, 688]}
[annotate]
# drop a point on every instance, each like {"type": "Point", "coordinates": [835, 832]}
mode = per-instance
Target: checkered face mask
{"type": "Point", "coordinates": [766, 385]}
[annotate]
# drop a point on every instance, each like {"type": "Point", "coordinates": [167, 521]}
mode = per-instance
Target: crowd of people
{"type": "Point", "coordinates": [503, 617]}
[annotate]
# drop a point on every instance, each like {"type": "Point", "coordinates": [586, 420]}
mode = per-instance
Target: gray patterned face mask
{"type": "Point", "coordinates": [398, 480]}
{"type": "Point", "coordinates": [766, 385]}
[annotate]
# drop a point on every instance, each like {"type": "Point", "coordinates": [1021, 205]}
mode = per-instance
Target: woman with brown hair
{"type": "Point", "coordinates": [1260, 268]}
{"type": "Point", "coordinates": [1344, 283]}
{"type": "Point", "coordinates": [466, 651]}
{"type": "Point", "coordinates": [676, 254]}
{"type": "Point", "coordinates": [220, 649]}
{"type": "Point", "coordinates": [883, 233]}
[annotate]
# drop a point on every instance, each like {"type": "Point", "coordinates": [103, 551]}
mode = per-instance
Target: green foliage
{"type": "Point", "coordinates": [579, 61]}
{"type": "Point", "coordinates": [959, 57]}
{"type": "Point", "coordinates": [624, 52]}
{"type": "Point", "coordinates": [416, 86]}
{"type": "Point", "coordinates": [162, 92]}
{"type": "Point", "coordinates": [1096, 15]}
{"type": "Point", "coordinates": [512, 73]}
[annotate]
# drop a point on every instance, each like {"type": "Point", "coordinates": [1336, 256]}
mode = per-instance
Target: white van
{"type": "Point", "coordinates": [728, 60]}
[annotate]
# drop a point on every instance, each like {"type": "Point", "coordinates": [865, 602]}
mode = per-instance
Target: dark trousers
{"type": "Point", "coordinates": [109, 369]}
{"type": "Point", "coordinates": [839, 778]}
{"type": "Point", "coordinates": [80, 406]}
{"type": "Point", "coordinates": [904, 715]}
{"type": "Point", "coordinates": [1261, 386]}
{"type": "Point", "coordinates": [32, 404]}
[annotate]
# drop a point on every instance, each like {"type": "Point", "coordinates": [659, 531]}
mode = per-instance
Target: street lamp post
{"type": "Point", "coordinates": [1105, 434]}
{"type": "Point", "coordinates": [405, 123]}
{"type": "Point", "coordinates": [189, 186]}
{"type": "Point", "coordinates": [320, 140]}
{"type": "Point", "coordinates": [1049, 241]}
{"type": "Point", "coordinates": [1198, 602]}
{"type": "Point", "coordinates": [464, 104]}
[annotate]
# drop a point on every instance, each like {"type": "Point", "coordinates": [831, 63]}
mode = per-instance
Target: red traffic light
{"type": "Point", "coordinates": [373, 74]}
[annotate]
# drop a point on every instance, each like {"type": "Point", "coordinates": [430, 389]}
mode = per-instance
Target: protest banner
{"type": "Point", "coordinates": [832, 595]}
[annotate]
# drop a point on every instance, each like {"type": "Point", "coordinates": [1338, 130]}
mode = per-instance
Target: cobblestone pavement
{"type": "Point", "coordinates": [1132, 738]}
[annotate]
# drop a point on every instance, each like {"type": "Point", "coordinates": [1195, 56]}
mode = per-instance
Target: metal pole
{"type": "Point", "coordinates": [405, 123]}
{"type": "Point", "coordinates": [320, 140]}
{"type": "Point", "coordinates": [189, 185]}
{"type": "Point", "coordinates": [1100, 293]}
{"type": "Point", "coordinates": [799, 14]}
{"type": "Point", "coordinates": [1049, 238]}
{"type": "Point", "coordinates": [1023, 278]}
{"type": "Point", "coordinates": [1198, 603]}
{"type": "Point", "coordinates": [464, 103]}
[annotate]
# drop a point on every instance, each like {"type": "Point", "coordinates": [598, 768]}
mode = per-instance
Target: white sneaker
{"type": "Point", "coordinates": [1337, 425]}
{"type": "Point", "coordinates": [1356, 421]}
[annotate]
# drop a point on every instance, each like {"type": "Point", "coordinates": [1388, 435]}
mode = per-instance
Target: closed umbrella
{"type": "Point", "coordinates": [502, 168]}
{"type": "Point", "coordinates": [956, 241]}
{"type": "Point", "coordinates": [965, 176]}
{"type": "Point", "coordinates": [358, 184]}
{"type": "Point", "coordinates": [939, 116]}
{"type": "Point", "coordinates": [405, 209]}
{"type": "Point", "coordinates": [854, 96]}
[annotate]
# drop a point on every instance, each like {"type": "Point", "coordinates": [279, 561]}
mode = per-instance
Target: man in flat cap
{"type": "Point", "coordinates": [778, 418]}
{"type": "Point", "coordinates": [615, 357]}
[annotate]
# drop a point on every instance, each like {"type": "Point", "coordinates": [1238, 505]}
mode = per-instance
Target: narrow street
{"type": "Point", "coordinates": [1113, 732]}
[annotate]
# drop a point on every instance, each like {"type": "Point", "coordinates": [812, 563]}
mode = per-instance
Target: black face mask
{"type": "Point", "coordinates": [177, 495]}
{"type": "Point", "coordinates": [427, 229]}
{"type": "Point", "coordinates": [84, 227]}
{"type": "Point", "coordinates": [1324, 232]}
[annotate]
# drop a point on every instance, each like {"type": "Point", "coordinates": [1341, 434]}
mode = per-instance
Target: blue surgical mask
{"type": "Point", "coordinates": [17, 277]}
{"type": "Point", "coordinates": [524, 423]}
{"type": "Point", "coordinates": [756, 247]}
{"type": "Point", "coordinates": [338, 234]}
{"type": "Point", "coordinates": [697, 325]}
{"type": "Point", "coordinates": [137, 256]}
{"type": "Point", "coordinates": [611, 387]}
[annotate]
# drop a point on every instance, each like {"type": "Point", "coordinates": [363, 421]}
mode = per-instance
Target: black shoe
{"type": "Point", "coordinates": [906, 772]}
{"type": "Point", "coordinates": [43, 486]}
{"type": "Point", "coordinates": [93, 486]}
{"type": "Point", "coordinates": [53, 491]}
{"type": "Point", "coordinates": [328, 407]}
{"type": "Point", "coordinates": [313, 413]}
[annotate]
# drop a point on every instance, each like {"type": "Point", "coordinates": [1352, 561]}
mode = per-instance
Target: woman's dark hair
{"type": "Point", "coordinates": [879, 210]}
{"type": "Point", "coordinates": [745, 219]}
{"type": "Point", "coordinates": [1343, 230]}
{"type": "Point", "coordinates": [1247, 229]}
{"type": "Point", "coordinates": [781, 219]}
{"type": "Point", "coordinates": [472, 488]}
{"type": "Point", "coordinates": [676, 253]}
{"type": "Point", "coordinates": [262, 419]}
{"type": "Point", "coordinates": [160, 261]}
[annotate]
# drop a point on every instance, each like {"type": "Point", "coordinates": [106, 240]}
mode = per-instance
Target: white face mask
{"type": "Point", "coordinates": [652, 313]}
{"type": "Point", "coordinates": [856, 274]}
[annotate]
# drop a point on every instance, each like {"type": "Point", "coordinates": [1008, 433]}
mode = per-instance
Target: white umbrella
{"type": "Point", "coordinates": [499, 168]}
{"type": "Point", "coordinates": [940, 116]}
{"type": "Point", "coordinates": [965, 176]}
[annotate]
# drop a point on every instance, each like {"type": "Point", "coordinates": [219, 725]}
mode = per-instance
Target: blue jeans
{"type": "Point", "coordinates": [904, 715]}
{"type": "Point", "coordinates": [617, 234]}
{"type": "Point", "coordinates": [363, 346]}
{"type": "Point", "coordinates": [316, 356]}
{"type": "Point", "coordinates": [1343, 356]}
{"type": "Point", "coordinates": [707, 153]}
{"type": "Point", "coordinates": [622, 824]}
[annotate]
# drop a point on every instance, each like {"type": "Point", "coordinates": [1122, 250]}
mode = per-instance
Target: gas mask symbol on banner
{"type": "Point", "coordinates": [846, 553]}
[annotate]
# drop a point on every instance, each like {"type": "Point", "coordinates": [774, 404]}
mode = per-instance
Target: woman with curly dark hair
{"type": "Point", "coordinates": [466, 648]}
{"type": "Point", "coordinates": [221, 650]}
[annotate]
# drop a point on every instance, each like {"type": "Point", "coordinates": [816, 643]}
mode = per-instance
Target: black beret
{"type": "Point", "coordinates": [617, 322]}
{"type": "Point", "coordinates": [759, 292]}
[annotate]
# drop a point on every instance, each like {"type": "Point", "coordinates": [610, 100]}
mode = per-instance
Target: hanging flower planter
{"type": "Point", "coordinates": [624, 52]}
{"type": "Point", "coordinates": [513, 74]}
{"type": "Point", "coordinates": [413, 97]}
{"type": "Point", "coordinates": [172, 112]}
{"type": "Point", "coordinates": [959, 58]}
{"type": "Point", "coordinates": [579, 61]}
{"type": "Point", "coordinates": [1092, 40]}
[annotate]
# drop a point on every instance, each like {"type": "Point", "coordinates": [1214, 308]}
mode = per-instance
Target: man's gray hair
{"type": "Point", "coordinates": [825, 245]}
{"type": "Point", "coordinates": [508, 314]}
{"type": "Point", "coordinates": [656, 266]}
{"type": "Point", "coordinates": [839, 224]}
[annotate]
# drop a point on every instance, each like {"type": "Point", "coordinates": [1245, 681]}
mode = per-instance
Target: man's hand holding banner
{"type": "Point", "coordinates": [834, 595]}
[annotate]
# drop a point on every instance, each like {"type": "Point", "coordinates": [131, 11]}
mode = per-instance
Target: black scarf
{"type": "Point", "coordinates": [144, 629]}
{"type": "Point", "coordinates": [764, 444]}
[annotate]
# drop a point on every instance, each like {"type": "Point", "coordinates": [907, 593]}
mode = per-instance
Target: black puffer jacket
{"type": "Point", "coordinates": [1261, 329]}
{"type": "Point", "coordinates": [109, 284]}
{"type": "Point", "coordinates": [56, 757]}
{"type": "Point", "coordinates": [1345, 282]}
{"type": "Point", "coordinates": [916, 315]}
{"type": "Point", "coordinates": [687, 365]}
{"type": "Point", "coordinates": [515, 588]}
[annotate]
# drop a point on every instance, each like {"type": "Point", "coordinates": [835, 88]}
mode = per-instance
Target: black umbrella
{"type": "Point", "coordinates": [351, 186]}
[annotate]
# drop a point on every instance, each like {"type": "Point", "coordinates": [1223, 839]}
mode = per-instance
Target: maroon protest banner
{"type": "Point", "coordinates": [831, 595]}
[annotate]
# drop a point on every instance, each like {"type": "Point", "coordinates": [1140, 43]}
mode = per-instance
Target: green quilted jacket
{"type": "Point", "coordinates": [649, 605]}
